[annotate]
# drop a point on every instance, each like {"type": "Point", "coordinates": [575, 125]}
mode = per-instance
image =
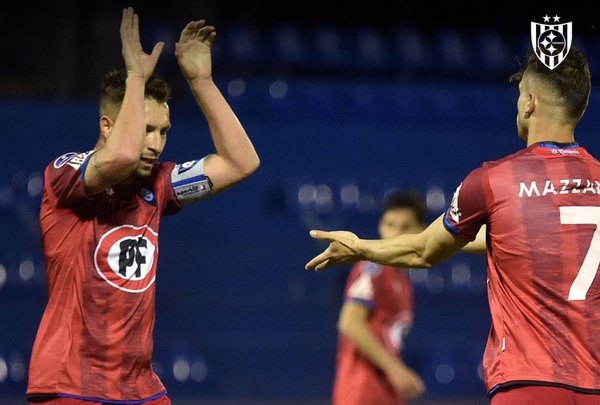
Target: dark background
{"type": "Point", "coordinates": [57, 50]}
{"type": "Point", "coordinates": [371, 97]}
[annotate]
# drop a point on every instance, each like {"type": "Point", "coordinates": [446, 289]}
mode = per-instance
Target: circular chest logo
{"type": "Point", "coordinates": [126, 257]}
{"type": "Point", "coordinates": [147, 195]}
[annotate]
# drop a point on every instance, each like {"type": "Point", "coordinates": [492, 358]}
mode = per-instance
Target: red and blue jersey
{"type": "Point", "coordinates": [388, 294]}
{"type": "Point", "coordinates": [541, 206]}
{"type": "Point", "coordinates": [95, 337]}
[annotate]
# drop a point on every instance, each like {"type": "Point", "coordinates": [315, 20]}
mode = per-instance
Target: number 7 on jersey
{"type": "Point", "coordinates": [589, 267]}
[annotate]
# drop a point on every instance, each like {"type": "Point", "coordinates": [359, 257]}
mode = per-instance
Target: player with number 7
{"type": "Point", "coordinates": [537, 212]}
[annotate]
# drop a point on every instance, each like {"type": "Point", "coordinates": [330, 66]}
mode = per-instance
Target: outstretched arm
{"type": "Point", "coordinates": [235, 157]}
{"type": "Point", "coordinates": [421, 250]}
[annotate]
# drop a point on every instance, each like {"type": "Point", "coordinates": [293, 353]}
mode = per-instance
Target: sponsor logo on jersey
{"type": "Point", "coordinates": [565, 152]}
{"type": "Point", "coordinates": [75, 160]}
{"type": "Point", "coordinates": [62, 160]}
{"type": "Point", "coordinates": [126, 258]}
{"type": "Point", "coordinates": [455, 213]}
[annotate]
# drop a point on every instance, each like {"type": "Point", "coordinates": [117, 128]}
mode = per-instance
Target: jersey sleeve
{"type": "Point", "coordinates": [468, 210]}
{"type": "Point", "coordinates": [360, 284]}
{"type": "Point", "coordinates": [64, 178]}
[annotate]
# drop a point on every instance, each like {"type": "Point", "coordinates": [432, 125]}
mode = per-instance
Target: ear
{"type": "Point", "coordinates": [106, 125]}
{"type": "Point", "coordinates": [531, 105]}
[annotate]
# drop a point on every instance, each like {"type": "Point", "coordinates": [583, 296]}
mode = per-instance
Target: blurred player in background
{"type": "Point", "coordinates": [100, 217]}
{"type": "Point", "coordinates": [376, 316]}
{"type": "Point", "coordinates": [540, 208]}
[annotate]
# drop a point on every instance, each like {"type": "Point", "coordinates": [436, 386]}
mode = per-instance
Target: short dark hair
{"type": "Point", "coordinates": [571, 79]}
{"type": "Point", "coordinates": [410, 199]}
{"type": "Point", "coordinates": [112, 88]}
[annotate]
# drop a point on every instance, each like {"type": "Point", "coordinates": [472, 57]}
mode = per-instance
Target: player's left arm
{"type": "Point", "coordinates": [235, 157]}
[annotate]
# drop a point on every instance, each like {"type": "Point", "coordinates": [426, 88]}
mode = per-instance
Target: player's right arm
{"type": "Point", "coordinates": [421, 250]}
{"type": "Point", "coordinates": [479, 244]}
{"type": "Point", "coordinates": [119, 155]}
{"type": "Point", "coordinates": [445, 236]}
{"type": "Point", "coordinates": [353, 324]}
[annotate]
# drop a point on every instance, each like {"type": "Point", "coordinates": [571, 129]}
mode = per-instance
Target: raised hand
{"type": "Point", "coordinates": [193, 50]}
{"type": "Point", "coordinates": [137, 62]}
{"type": "Point", "coordinates": [342, 249]}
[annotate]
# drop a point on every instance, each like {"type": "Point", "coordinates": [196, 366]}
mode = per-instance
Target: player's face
{"type": "Point", "coordinates": [157, 125]}
{"type": "Point", "coordinates": [398, 221]}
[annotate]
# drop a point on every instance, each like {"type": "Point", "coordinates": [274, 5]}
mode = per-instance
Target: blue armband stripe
{"type": "Point", "coordinates": [194, 179]}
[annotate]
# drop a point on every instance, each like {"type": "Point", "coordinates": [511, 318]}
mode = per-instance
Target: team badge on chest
{"type": "Point", "coordinates": [126, 257]}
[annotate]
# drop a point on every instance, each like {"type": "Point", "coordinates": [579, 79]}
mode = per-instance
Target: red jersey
{"type": "Point", "coordinates": [542, 210]}
{"type": "Point", "coordinates": [95, 339]}
{"type": "Point", "coordinates": [388, 293]}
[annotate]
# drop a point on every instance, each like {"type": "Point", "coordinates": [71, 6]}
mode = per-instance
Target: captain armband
{"type": "Point", "coordinates": [189, 182]}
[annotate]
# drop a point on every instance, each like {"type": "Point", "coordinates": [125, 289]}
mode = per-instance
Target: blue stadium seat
{"type": "Point", "coordinates": [371, 49]}
{"type": "Point", "coordinates": [454, 51]}
{"type": "Point", "coordinates": [288, 45]}
{"type": "Point", "coordinates": [242, 44]}
{"type": "Point", "coordinates": [493, 52]}
{"type": "Point", "coordinates": [413, 49]}
{"type": "Point", "coordinates": [330, 46]}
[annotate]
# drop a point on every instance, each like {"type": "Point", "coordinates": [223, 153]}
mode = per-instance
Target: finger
{"type": "Point", "coordinates": [311, 264]}
{"type": "Point", "coordinates": [322, 262]}
{"type": "Point", "coordinates": [409, 392]}
{"type": "Point", "coordinates": [135, 28]}
{"type": "Point", "coordinates": [322, 266]}
{"type": "Point", "coordinates": [416, 390]}
{"type": "Point", "coordinates": [319, 234]}
{"type": "Point", "coordinates": [316, 261]}
{"type": "Point", "coordinates": [211, 38]}
{"type": "Point", "coordinates": [188, 31]}
{"type": "Point", "coordinates": [157, 50]}
{"type": "Point", "coordinates": [204, 32]}
{"type": "Point", "coordinates": [126, 20]}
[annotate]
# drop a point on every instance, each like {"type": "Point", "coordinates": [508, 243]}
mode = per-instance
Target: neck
{"type": "Point", "coordinates": [551, 133]}
{"type": "Point", "coordinates": [558, 138]}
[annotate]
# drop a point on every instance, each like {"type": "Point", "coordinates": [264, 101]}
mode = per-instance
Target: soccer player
{"type": "Point", "coordinates": [376, 316]}
{"type": "Point", "coordinates": [541, 208]}
{"type": "Point", "coordinates": [100, 218]}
